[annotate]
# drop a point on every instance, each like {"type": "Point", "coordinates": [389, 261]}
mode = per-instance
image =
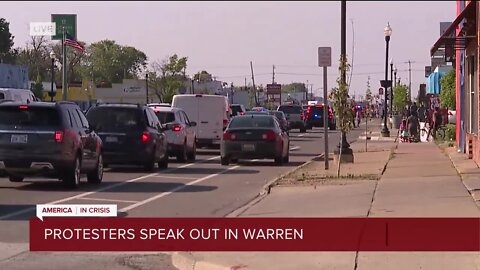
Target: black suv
{"type": "Point", "coordinates": [131, 134]}
{"type": "Point", "coordinates": [314, 116]}
{"type": "Point", "coordinates": [52, 140]}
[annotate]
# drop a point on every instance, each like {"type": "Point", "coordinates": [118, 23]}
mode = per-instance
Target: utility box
{"type": "Point", "coordinates": [14, 76]}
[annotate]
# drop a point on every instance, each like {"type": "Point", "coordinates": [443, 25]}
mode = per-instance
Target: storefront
{"type": "Point", "coordinates": [460, 41]}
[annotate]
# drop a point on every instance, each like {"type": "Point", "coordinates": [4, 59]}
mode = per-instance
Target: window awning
{"type": "Point", "coordinates": [449, 39]}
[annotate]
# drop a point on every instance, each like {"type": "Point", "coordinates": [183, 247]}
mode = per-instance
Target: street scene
{"type": "Point", "coordinates": [222, 110]}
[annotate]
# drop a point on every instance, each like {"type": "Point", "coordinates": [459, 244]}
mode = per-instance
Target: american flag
{"type": "Point", "coordinates": [72, 42]}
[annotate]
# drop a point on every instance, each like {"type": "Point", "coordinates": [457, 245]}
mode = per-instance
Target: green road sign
{"type": "Point", "coordinates": [67, 22]}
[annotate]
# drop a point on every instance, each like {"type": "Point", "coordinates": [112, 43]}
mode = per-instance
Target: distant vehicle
{"type": "Point", "coordinates": [210, 112]}
{"type": "Point", "coordinates": [256, 112]}
{"type": "Point", "coordinates": [312, 102]}
{"type": "Point", "coordinates": [154, 105]}
{"type": "Point", "coordinates": [20, 95]}
{"type": "Point", "coordinates": [252, 137]}
{"type": "Point", "coordinates": [51, 140]}
{"type": "Point", "coordinates": [295, 116]}
{"type": "Point", "coordinates": [180, 134]}
{"type": "Point", "coordinates": [237, 109]}
{"type": "Point", "coordinates": [259, 109]}
{"type": "Point", "coordinates": [314, 116]}
{"type": "Point", "coordinates": [282, 119]}
{"type": "Point", "coordinates": [131, 135]}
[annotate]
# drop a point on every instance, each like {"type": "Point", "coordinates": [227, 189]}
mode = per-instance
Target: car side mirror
{"type": "Point", "coordinates": [193, 124]}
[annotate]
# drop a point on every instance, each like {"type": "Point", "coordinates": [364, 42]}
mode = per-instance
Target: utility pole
{"type": "Point", "coordinates": [253, 82]}
{"type": "Point", "coordinates": [409, 81]}
{"type": "Point", "coordinates": [306, 92]}
{"type": "Point", "coordinates": [273, 75]}
{"type": "Point", "coordinates": [245, 83]}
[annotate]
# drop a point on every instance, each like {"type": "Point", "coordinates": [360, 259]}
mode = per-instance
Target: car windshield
{"type": "Point", "coordinates": [165, 117]}
{"type": "Point", "coordinates": [259, 121]}
{"type": "Point", "coordinates": [114, 119]}
{"type": "Point", "coordinates": [27, 116]}
{"type": "Point", "coordinates": [236, 109]}
{"type": "Point", "coordinates": [290, 109]}
{"type": "Point", "coordinates": [279, 114]}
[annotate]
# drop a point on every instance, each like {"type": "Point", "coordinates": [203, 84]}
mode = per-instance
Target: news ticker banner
{"type": "Point", "coordinates": [254, 234]}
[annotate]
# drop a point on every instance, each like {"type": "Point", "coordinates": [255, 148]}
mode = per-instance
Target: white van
{"type": "Point", "coordinates": [22, 95]}
{"type": "Point", "coordinates": [211, 112]}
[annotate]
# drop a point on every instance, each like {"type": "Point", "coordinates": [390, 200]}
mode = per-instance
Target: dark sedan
{"type": "Point", "coordinates": [281, 118]}
{"type": "Point", "coordinates": [254, 136]}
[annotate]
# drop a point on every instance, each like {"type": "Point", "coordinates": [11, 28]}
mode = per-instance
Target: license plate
{"type": "Point", "coordinates": [19, 139]}
{"type": "Point", "coordinates": [248, 147]}
{"type": "Point", "coordinates": [111, 139]}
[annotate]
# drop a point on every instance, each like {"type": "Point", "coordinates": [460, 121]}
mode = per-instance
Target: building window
{"type": "Point", "coordinates": [473, 95]}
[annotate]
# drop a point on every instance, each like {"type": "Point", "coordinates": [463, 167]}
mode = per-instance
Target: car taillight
{"type": "Point", "coordinates": [225, 122]}
{"type": "Point", "coordinates": [23, 107]}
{"type": "Point", "coordinates": [59, 136]}
{"type": "Point", "coordinates": [301, 116]}
{"type": "Point", "coordinates": [242, 113]}
{"type": "Point", "coordinates": [145, 137]}
{"type": "Point", "coordinates": [269, 136]}
{"type": "Point", "coordinates": [228, 136]}
{"type": "Point", "coordinates": [177, 128]}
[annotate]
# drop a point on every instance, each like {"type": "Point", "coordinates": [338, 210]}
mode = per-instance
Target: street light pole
{"type": "Point", "coordinates": [391, 88]}
{"type": "Point", "coordinates": [146, 85]}
{"type": "Point", "coordinates": [52, 93]}
{"type": "Point", "coordinates": [388, 32]}
{"type": "Point", "coordinates": [395, 76]}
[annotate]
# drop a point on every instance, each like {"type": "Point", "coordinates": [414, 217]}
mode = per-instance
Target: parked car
{"type": "Point", "coordinates": [52, 140]}
{"type": "Point", "coordinates": [210, 112]}
{"type": "Point", "coordinates": [282, 119]}
{"type": "Point", "coordinates": [254, 137]}
{"type": "Point", "coordinates": [295, 116]}
{"type": "Point", "coordinates": [314, 116]}
{"type": "Point", "coordinates": [20, 95]}
{"type": "Point", "coordinates": [237, 109]}
{"type": "Point", "coordinates": [131, 135]}
{"type": "Point", "coordinates": [181, 135]}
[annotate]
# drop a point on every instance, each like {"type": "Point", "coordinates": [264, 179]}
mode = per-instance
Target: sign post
{"type": "Point", "coordinates": [325, 60]}
{"type": "Point", "coordinates": [274, 89]}
{"type": "Point", "coordinates": [65, 23]}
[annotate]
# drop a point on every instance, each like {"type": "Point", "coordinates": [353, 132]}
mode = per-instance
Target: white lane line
{"type": "Point", "coordinates": [174, 177]}
{"type": "Point", "coordinates": [301, 135]}
{"type": "Point", "coordinates": [106, 200]}
{"type": "Point", "coordinates": [138, 204]}
{"type": "Point", "coordinates": [104, 188]}
{"type": "Point", "coordinates": [294, 148]}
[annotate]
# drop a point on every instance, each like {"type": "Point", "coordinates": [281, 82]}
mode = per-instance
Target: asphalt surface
{"type": "Point", "coordinates": [204, 188]}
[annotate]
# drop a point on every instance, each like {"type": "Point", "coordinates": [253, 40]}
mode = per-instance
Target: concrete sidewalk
{"type": "Point", "coordinates": [419, 181]}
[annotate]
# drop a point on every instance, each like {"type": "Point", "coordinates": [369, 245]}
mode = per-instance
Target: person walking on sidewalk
{"type": "Point", "coordinates": [358, 117]}
{"type": "Point", "coordinates": [413, 126]}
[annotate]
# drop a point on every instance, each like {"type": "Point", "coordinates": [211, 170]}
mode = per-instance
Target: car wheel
{"type": "Point", "coordinates": [224, 160]}
{"type": "Point", "coordinates": [15, 179]}
{"type": "Point", "coordinates": [163, 164]}
{"type": "Point", "coordinates": [333, 127]}
{"type": "Point", "coordinates": [279, 160]}
{"type": "Point", "coordinates": [234, 160]}
{"type": "Point", "coordinates": [303, 130]}
{"type": "Point", "coordinates": [192, 155]}
{"type": "Point", "coordinates": [72, 177]}
{"type": "Point", "coordinates": [182, 154]}
{"type": "Point", "coordinates": [96, 176]}
{"type": "Point", "coordinates": [150, 164]}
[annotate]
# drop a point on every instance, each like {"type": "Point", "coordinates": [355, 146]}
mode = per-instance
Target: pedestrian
{"type": "Point", "coordinates": [413, 126]}
{"type": "Point", "coordinates": [437, 119]}
{"type": "Point", "coordinates": [421, 112]}
{"type": "Point", "coordinates": [358, 117]}
{"type": "Point", "coordinates": [413, 108]}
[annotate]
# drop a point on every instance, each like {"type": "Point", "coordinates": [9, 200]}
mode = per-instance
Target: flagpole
{"type": "Point", "coordinates": [64, 66]}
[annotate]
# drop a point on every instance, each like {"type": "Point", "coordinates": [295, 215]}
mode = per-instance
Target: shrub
{"type": "Point", "coordinates": [450, 132]}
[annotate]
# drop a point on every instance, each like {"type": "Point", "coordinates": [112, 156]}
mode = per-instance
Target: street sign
{"type": "Point", "coordinates": [67, 22]}
{"type": "Point", "coordinates": [324, 56]}
{"type": "Point", "coordinates": [274, 89]}
{"type": "Point", "coordinates": [42, 28]}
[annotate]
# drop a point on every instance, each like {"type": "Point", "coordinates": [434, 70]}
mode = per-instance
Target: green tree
{"type": "Point", "coordinates": [400, 97]}
{"type": "Point", "coordinates": [111, 62]}
{"type": "Point", "coordinates": [294, 87]}
{"type": "Point", "coordinates": [203, 76]}
{"type": "Point", "coordinates": [38, 88]}
{"type": "Point", "coordinates": [7, 53]}
{"type": "Point", "coordinates": [447, 90]}
{"type": "Point", "coordinates": [167, 77]}
{"type": "Point", "coordinates": [342, 104]}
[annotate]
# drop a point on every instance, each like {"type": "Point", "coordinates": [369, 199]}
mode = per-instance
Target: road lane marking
{"type": "Point", "coordinates": [175, 177]}
{"type": "Point", "coordinates": [107, 200]}
{"type": "Point", "coordinates": [301, 135]}
{"type": "Point", "coordinates": [81, 195]}
{"type": "Point", "coordinates": [294, 148]}
{"type": "Point", "coordinates": [151, 199]}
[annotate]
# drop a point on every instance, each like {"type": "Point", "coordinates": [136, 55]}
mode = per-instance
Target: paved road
{"type": "Point", "coordinates": [200, 189]}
